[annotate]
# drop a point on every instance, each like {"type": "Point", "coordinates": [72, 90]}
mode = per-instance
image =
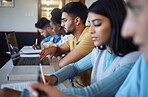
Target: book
{"type": "Point", "coordinates": [27, 73]}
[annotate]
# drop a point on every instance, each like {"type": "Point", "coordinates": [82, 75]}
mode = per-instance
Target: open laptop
{"type": "Point", "coordinates": [15, 54]}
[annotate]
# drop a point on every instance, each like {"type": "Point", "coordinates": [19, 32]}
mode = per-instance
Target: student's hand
{"type": "Point", "coordinates": [46, 91]}
{"type": "Point", "coordinates": [6, 92]}
{"type": "Point", "coordinates": [36, 46]}
{"type": "Point", "coordinates": [50, 43]}
{"type": "Point", "coordinates": [50, 80]}
{"type": "Point", "coordinates": [46, 51]}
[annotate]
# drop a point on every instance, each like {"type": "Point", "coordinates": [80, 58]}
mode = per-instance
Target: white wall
{"type": "Point", "coordinates": [88, 3]}
{"type": "Point", "coordinates": [21, 18]}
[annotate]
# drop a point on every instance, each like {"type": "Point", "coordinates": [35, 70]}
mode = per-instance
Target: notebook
{"type": "Point", "coordinates": [15, 55]}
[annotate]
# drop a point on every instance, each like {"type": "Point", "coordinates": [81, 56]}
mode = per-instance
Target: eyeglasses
{"type": "Point", "coordinates": [65, 20]}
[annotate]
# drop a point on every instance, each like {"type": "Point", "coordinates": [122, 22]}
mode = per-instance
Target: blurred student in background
{"type": "Point", "coordinates": [43, 26]}
{"type": "Point", "coordinates": [56, 27]}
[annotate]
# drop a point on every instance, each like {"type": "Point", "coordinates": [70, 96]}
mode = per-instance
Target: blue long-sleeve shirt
{"type": "Point", "coordinates": [136, 83]}
{"type": "Point", "coordinates": [56, 39]}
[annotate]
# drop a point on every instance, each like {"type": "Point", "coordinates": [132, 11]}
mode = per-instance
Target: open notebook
{"type": "Point", "coordinates": [24, 85]}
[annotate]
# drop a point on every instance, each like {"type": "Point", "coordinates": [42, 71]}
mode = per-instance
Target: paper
{"type": "Point", "coordinates": [25, 85]}
{"type": "Point", "coordinates": [16, 86]}
{"type": "Point", "coordinates": [29, 49]}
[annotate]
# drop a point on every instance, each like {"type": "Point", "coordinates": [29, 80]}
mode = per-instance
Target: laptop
{"type": "Point", "coordinates": [15, 54]}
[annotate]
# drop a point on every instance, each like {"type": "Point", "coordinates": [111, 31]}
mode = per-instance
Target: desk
{"type": "Point", "coordinates": [9, 65]}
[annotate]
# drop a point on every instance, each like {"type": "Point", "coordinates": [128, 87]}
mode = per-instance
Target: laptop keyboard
{"type": "Point", "coordinates": [32, 61]}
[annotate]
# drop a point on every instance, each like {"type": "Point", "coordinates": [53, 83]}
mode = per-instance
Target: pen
{"type": "Point", "coordinates": [42, 73]}
{"type": "Point", "coordinates": [36, 41]}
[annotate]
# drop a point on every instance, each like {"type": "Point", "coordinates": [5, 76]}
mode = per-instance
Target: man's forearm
{"type": "Point", "coordinates": [57, 52]}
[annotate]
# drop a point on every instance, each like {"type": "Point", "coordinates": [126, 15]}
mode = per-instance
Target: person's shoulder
{"type": "Point", "coordinates": [132, 54]}
{"type": "Point", "coordinates": [48, 37]}
{"type": "Point", "coordinates": [130, 57]}
{"type": "Point", "coordinates": [69, 40]}
{"type": "Point", "coordinates": [86, 35]}
{"type": "Point", "coordinates": [71, 37]}
{"type": "Point", "coordinates": [86, 30]}
{"type": "Point", "coordinates": [68, 36]}
{"type": "Point", "coordinates": [56, 36]}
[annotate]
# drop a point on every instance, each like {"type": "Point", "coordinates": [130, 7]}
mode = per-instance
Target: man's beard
{"type": "Point", "coordinates": [70, 31]}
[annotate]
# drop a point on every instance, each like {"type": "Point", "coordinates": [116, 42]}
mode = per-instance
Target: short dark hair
{"type": "Point", "coordinates": [42, 23]}
{"type": "Point", "coordinates": [114, 10]}
{"type": "Point", "coordinates": [56, 16]}
{"type": "Point", "coordinates": [76, 9]}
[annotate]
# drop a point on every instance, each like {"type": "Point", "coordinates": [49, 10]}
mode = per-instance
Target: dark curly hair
{"type": "Point", "coordinates": [56, 16]}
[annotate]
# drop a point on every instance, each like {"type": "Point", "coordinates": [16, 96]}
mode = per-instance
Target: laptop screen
{"type": "Point", "coordinates": [13, 47]}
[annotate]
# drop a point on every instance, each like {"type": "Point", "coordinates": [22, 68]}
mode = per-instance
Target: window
{"type": "Point", "coordinates": [6, 3]}
{"type": "Point", "coordinates": [45, 7]}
